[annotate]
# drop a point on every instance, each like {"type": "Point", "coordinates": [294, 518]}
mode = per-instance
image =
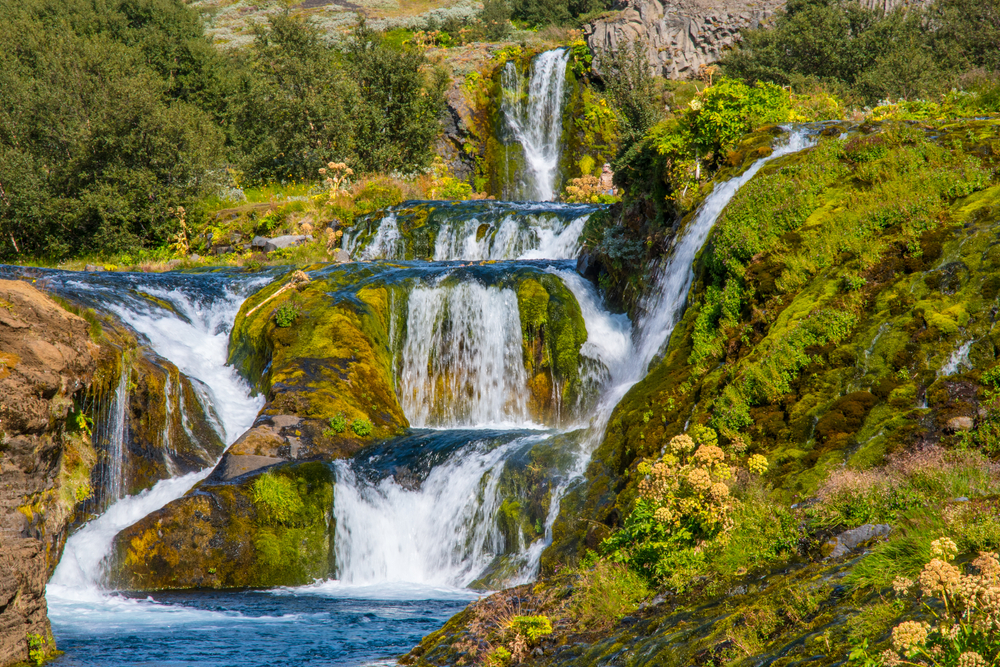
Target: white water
{"type": "Point", "coordinates": [462, 358]}
{"type": "Point", "coordinates": [534, 117]}
{"type": "Point", "coordinates": [958, 359]}
{"type": "Point", "coordinates": [387, 243]}
{"type": "Point", "coordinates": [518, 237]}
{"type": "Point", "coordinates": [111, 438]}
{"type": "Point", "coordinates": [198, 348]}
{"type": "Point", "coordinates": [442, 534]}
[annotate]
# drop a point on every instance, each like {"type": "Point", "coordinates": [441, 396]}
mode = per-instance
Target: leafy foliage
{"type": "Point", "coordinates": [908, 53]}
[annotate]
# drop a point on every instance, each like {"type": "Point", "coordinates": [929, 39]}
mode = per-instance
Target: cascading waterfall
{"type": "Point", "coordinates": [194, 336]}
{"type": "Point", "coordinates": [474, 230]}
{"type": "Point", "coordinates": [462, 357]}
{"type": "Point", "coordinates": [452, 546]}
{"type": "Point", "coordinates": [461, 365]}
{"type": "Point", "coordinates": [534, 118]}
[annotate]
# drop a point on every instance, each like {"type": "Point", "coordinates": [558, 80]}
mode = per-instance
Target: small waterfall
{"type": "Point", "coordinates": [534, 118]}
{"type": "Point", "coordinates": [462, 358]}
{"type": "Point", "coordinates": [444, 231]}
{"type": "Point", "coordinates": [109, 438]}
{"type": "Point", "coordinates": [442, 533]}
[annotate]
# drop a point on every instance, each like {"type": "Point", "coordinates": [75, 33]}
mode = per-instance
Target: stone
{"type": "Point", "coordinates": [92, 268]}
{"type": "Point", "coordinates": [174, 263]}
{"type": "Point", "coordinates": [849, 540]}
{"type": "Point", "coordinates": [46, 356]}
{"type": "Point", "coordinates": [341, 256]}
{"type": "Point", "coordinates": [195, 257]}
{"type": "Point", "coordinates": [235, 465]}
{"type": "Point", "coordinates": [956, 424]}
{"type": "Point", "coordinates": [222, 249]}
{"type": "Point", "coordinates": [287, 241]}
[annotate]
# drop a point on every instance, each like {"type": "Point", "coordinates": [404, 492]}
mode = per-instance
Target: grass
{"type": "Point", "coordinates": [605, 593]}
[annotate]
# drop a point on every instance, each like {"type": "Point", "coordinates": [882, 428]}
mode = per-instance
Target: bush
{"type": "Point", "coordinates": [338, 424]}
{"type": "Point", "coordinates": [964, 631]}
{"type": "Point", "coordinates": [285, 315]}
{"type": "Point", "coordinates": [908, 53]}
{"type": "Point", "coordinates": [362, 427]}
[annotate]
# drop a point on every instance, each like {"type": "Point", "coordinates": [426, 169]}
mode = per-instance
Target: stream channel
{"type": "Point", "coordinates": [410, 552]}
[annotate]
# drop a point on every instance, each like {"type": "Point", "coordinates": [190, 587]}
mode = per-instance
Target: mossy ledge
{"type": "Point", "coordinates": [269, 529]}
{"type": "Point", "coordinates": [841, 325]}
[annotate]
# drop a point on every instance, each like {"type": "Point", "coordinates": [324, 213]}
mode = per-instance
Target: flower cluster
{"type": "Point", "coordinates": [688, 484]}
{"type": "Point", "coordinates": [967, 633]}
{"type": "Point", "coordinates": [336, 173]}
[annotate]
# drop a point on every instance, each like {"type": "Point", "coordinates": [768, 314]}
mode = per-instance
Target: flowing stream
{"type": "Point", "coordinates": [417, 518]}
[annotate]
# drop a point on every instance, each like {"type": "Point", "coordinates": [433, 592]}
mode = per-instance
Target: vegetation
{"type": "Point", "coordinates": [868, 55]}
{"type": "Point", "coordinates": [116, 114]}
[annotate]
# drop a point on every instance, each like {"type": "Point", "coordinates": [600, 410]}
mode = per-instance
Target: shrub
{"type": "Point", "coordinates": [531, 628]}
{"type": "Point", "coordinates": [966, 615]}
{"type": "Point", "coordinates": [726, 111]}
{"type": "Point", "coordinates": [338, 424]}
{"type": "Point", "coordinates": [285, 315]}
{"type": "Point", "coordinates": [362, 427]}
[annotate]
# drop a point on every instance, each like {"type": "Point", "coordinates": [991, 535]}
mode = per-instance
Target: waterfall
{"type": "Point", "coordinates": [474, 230]}
{"type": "Point", "coordinates": [462, 366]}
{"type": "Point", "coordinates": [462, 357]}
{"type": "Point", "coordinates": [443, 533]}
{"type": "Point", "coordinates": [534, 118]}
{"type": "Point", "coordinates": [109, 438]}
{"type": "Point", "coordinates": [193, 335]}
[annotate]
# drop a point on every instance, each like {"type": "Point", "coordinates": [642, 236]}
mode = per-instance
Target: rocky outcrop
{"type": "Point", "coordinates": [680, 36]}
{"type": "Point", "coordinates": [46, 359]}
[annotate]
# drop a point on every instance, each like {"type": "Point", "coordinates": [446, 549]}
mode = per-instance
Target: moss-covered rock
{"type": "Point", "coordinates": [896, 272]}
{"type": "Point", "coordinates": [272, 528]}
{"type": "Point", "coordinates": [330, 357]}
{"type": "Point", "coordinates": [553, 331]}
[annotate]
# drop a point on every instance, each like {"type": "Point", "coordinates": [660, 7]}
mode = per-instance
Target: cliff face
{"type": "Point", "coordinates": [681, 36]}
{"type": "Point", "coordinates": [45, 358]}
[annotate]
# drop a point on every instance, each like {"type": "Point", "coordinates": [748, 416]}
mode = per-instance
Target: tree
{"type": "Point", "coordinates": [396, 116]}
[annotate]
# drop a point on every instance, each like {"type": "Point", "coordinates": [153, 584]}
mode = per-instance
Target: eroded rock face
{"type": "Point", "coordinates": [45, 358]}
{"type": "Point", "coordinates": [680, 35]}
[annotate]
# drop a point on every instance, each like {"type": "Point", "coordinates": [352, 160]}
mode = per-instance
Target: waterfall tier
{"type": "Point", "coordinates": [532, 115]}
{"type": "Point", "coordinates": [442, 231]}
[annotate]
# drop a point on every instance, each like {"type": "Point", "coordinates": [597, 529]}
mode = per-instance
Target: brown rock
{"type": "Point", "coordinates": [45, 358]}
{"type": "Point", "coordinates": [956, 424]}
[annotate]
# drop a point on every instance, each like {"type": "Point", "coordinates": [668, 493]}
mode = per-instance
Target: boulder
{"type": "Point", "coordinates": [92, 268]}
{"type": "Point", "coordinates": [956, 424]}
{"type": "Point", "coordinates": [341, 256]}
{"type": "Point", "coordinates": [849, 540]}
{"type": "Point", "coordinates": [271, 244]}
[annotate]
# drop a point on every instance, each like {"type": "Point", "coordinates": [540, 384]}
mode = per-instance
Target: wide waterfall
{"type": "Point", "coordinates": [533, 116]}
{"type": "Point", "coordinates": [415, 519]}
{"type": "Point", "coordinates": [442, 231]}
{"type": "Point", "coordinates": [462, 358]}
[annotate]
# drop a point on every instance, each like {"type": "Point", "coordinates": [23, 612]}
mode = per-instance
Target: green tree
{"type": "Point", "coordinates": [289, 116]}
{"type": "Point", "coordinates": [396, 115]}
